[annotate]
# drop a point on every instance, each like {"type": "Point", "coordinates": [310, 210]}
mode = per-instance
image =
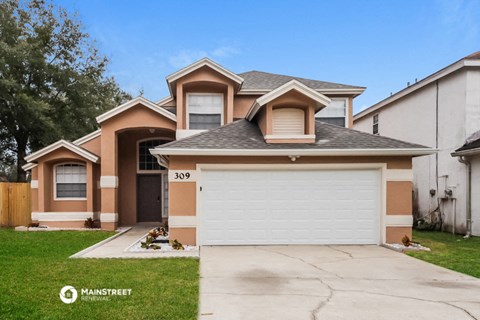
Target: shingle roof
{"type": "Point", "coordinates": [469, 146]}
{"type": "Point", "coordinates": [243, 134]}
{"type": "Point", "coordinates": [270, 81]}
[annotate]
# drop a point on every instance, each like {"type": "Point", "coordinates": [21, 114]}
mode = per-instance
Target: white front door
{"type": "Point", "coordinates": [249, 207]}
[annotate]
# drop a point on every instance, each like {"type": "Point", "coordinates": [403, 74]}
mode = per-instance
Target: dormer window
{"type": "Point", "coordinates": [204, 111]}
{"type": "Point", "coordinates": [288, 122]}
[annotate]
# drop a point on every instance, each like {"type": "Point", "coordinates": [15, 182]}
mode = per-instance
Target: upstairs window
{"type": "Point", "coordinates": [375, 124]}
{"type": "Point", "coordinates": [204, 111]}
{"type": "Point", "coordinates": [288, 122]}
{"type": "Point", "coordinates": [335, 113]}
{"type": "Point", "coordinates": [70, 181]}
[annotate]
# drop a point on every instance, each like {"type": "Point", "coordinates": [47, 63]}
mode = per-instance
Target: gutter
{"type": "Point", "coordinates": [463, 159]}
{"type": "Point", "coordinates": [296, 152]}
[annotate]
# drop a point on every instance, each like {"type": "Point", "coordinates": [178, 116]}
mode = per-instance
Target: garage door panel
{"type": "Point", "coordinates": [290, 207]}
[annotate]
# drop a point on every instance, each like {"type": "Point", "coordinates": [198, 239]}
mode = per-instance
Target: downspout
{"type": "Point", "coordinates": [464, 160]}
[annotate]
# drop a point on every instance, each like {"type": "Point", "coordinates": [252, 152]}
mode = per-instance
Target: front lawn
{"type": "Point", "coordinates": [452, 252]}
{"type": "Point", "coordinates": [34, 266]}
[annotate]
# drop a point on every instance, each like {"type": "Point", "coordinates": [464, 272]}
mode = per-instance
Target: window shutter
{"type": "Point", "coordinates": [288, 121]}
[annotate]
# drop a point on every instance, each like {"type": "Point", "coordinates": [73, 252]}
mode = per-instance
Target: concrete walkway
{"type": "Point", "coordinates": [330, 282]}
{"type": "Point", "coordinates": [117, 247]}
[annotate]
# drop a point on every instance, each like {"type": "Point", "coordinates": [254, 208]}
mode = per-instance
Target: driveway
{"type": "Point", "coordinates": [330, 282]}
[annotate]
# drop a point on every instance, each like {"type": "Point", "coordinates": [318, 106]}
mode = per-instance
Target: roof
{"type": "Point", "coordinates": [63, 144]}
{"type": "Point", "coordinates": [129, 104]}
{"type": "Point", "coordinates": [264, 82]}
{"type": "Point", "coordinates": [472, 60]}
{"type": "Point", "coordinates": [88, 137]}
{"type": "Point", "coordinates": [244, 137]}
{"type": "Point", "coordinates": [471, 146]}
{"type": "Point", "coordinates": [199, 64]}
{"type": "Point", "coordinates": [320, 99]}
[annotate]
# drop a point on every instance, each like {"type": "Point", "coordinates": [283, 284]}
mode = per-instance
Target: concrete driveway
{"type": "Point", "coordinates": [330, 282]}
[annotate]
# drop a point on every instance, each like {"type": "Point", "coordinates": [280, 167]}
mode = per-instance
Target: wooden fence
{"type": "Point", "coordinates": [15, 204]}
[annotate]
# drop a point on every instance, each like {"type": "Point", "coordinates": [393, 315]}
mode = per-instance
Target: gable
{"type": "Point", "coordinates": [135, 103]}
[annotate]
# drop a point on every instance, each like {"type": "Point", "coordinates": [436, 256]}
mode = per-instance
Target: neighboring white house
{"type": "Point", "coordinates": [441, 111]}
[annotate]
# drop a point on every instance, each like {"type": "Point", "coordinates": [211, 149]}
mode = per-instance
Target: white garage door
{"type": "Point", "coordinates": [290, 207]}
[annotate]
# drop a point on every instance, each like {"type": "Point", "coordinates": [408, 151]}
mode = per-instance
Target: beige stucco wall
{"type": "Point", "coordinates": [136, 118]}
{"type": "Point", "coordinates": [203, 80]}
{"type": "Point", "coordinates": [93, 145]}
{"type": "Point", "coordinates": [46, 201]}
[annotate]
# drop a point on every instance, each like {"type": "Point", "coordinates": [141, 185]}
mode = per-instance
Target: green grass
{"type": "Point", "coordinates": [451, 252]}
{"type": "Point", "coordinates": [34, 266]}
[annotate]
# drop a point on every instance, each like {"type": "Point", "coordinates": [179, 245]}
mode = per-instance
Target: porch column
{"type": "Point", "coordinates": [230, 93]}
{"type": "Point", "coordinates": [109, 179]}
{"type": "Point", "coordinates": [90, 182]}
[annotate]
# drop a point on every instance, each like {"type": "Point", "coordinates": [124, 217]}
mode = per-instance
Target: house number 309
{"type": "Point", "coordinates": [182, 176]}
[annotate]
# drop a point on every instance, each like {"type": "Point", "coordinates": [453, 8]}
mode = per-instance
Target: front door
{"type": "Point", "coordinates": [149, 197]}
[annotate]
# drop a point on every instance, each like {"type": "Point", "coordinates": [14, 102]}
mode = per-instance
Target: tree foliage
{"type": "Point", "coordinates": [53, 79]}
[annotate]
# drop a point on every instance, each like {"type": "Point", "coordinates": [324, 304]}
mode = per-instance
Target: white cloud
{"type": "Point", "coordinates": [461, 16]}
{"type": "Point", "coordinates": [185, 57]}
{"type": "Point", "coordinates": [225, 51]}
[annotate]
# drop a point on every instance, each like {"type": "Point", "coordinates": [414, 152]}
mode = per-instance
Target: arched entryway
{"type": "Point", "coordinates": [143, 187]}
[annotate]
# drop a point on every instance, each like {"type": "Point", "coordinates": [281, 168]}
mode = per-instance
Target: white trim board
{"type": "Point", "coordinates": [294, 152]}
{"type": "Point", "coordinates": [29, 166]}
{"type": "Point", "coordinates": [63, 216]}
{"type": "Point", "coordinates": [88, 137]}
{"type": "Point", "coordinates": [300, 136]}
{"type": "Point", "coordinates": [201, 63]}
{"type": "Point", "coordinates": [399, 174]}
{"type": "Point", "coordinates": [404, 220]}
{"type": "Point", "coordinates": [107, 182]}
{"type": "Point", "coordinates": [34, 184]}
{"type": "Point", "coordinates": [67, 145]}
{"type": "Point", "coordinates": [182, 221]}
{"type": "Point", "coordinates": [108, 217]}
{"type": "Point", "coordinates": [138, 100]}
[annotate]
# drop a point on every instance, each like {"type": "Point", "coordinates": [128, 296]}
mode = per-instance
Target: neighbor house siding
{"type": "Point", "coordinates": [413, 119]}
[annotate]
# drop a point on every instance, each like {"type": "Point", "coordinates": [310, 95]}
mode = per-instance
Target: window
{"type": "Point", "coordinates": [147, 162]}
{"type": "Point", "coordinates": [70, 181]}
{"type": "Point", "coordinates": [334, 113]}
{"type": "Point", "coordinates": [205, 111]}
{"type": "Point", "coordinates": [375, 124]}
{"type": "Point", "coordinates": [288, 122]}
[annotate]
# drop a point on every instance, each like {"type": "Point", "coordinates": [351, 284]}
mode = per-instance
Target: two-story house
{"type": "Point", "coordinates": [441, 111]}
{"type": "Point", "coordinates": [250, 158]}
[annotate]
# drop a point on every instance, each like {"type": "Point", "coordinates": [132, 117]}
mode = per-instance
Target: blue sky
{"type": "Point", "coordinates": [381, 45]}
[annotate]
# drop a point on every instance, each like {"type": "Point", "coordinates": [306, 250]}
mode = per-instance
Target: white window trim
{"type": "Point", "coordinates": [187, 124]}
{"type": "Point", "coordinates": [347, 107]}
{"type": "Point", "coordinates": [55, 198]}
{"type": "Point", "coordinates": [138, 155]}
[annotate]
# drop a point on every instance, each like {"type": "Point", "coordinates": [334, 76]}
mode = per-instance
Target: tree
{"type": "Point", "coordinates": [53, 80]}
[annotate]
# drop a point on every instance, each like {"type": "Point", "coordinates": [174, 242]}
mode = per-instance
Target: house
{"type": "Point", "coordinates": [250, 158]}
{"type": "Point", "coordinates": [441, 111]}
